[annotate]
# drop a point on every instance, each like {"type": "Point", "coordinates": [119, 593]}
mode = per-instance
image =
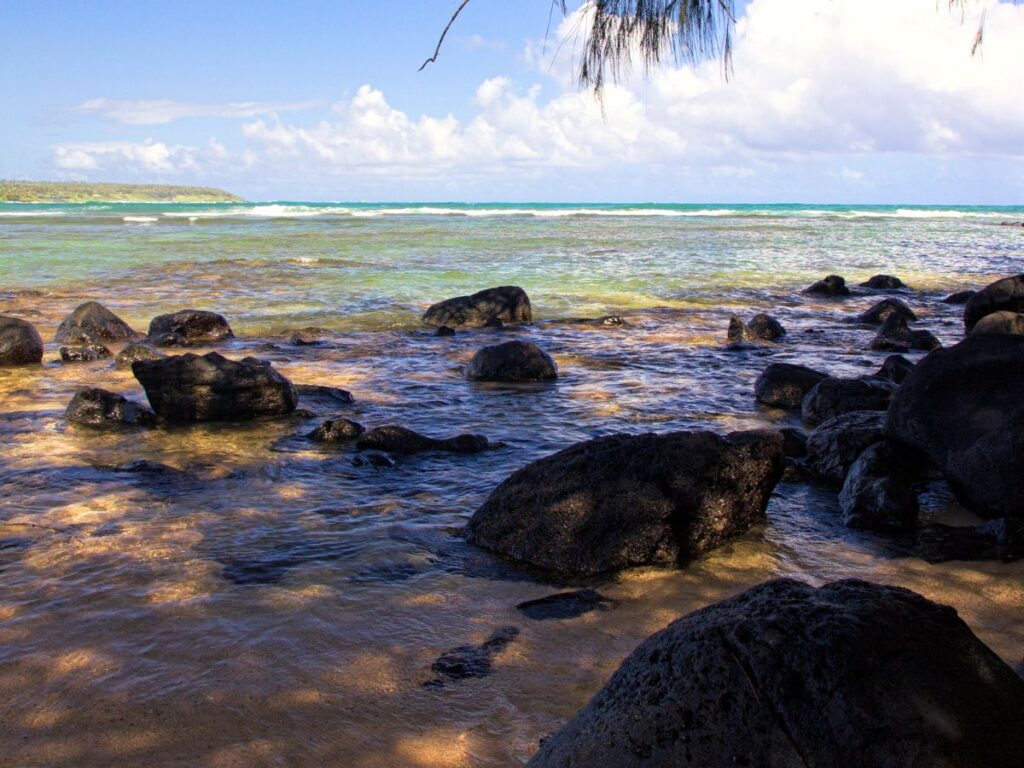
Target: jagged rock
{"type": "Point", "coordinates": [896, 336]}
{"type": "Point", "coordinates": [883, 283]}
{"type": "Point", "coordinates": [961, 297]}
{"type": "Point", "coordinates": [885, 309]}
{"type": "Point", "coordinates": [1002, 295]}
{"type": "Point", "coordinates": [783, 385]}
{"type": "Point", "coordinates": [92, 407]}
{"type": "Point", "coordinates": [833, 285]}
{"type": "Point", "coordinates": [506, 304]}
{"type": "Point", "coordinates": [85, 353]}
{"type": "Point", "coordinates": [835, 445]}
{"type": "Point", "coordinates": [834, 397]}
{"type": "Point", "coordinates": [876, 493]}
{"type": "Point", "coordinates": [785, 675]}
{"type": "Point", "coordinates": [395, 439]}
{"type": "Point", "coordinates": [513, 361]}
{"type": "Point", "coordinates": [895, 368]}
{"type": "Point", "coordinates": [20, 343]}
{"type": "Point", "coordinates": [213, 388]}
{"type": "Point", "coordinates": [626, 500]}
{"type": "Point", "coordinates": [192, 325]}
{"type": "Point", "coordinates": [1001, 322]}
{"type": "Point", "coordinates": [565, 605]}
{"type": "Point", "coordinates": [337, 431]}
{"type": "Point", "coordinates": [92, 323]}
{"type": "Point", "coordinates": [962, 408]}
{"type": "Point", "coordinates": [136, 351]}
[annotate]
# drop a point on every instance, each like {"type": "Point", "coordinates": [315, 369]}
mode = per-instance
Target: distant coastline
{"type": "Point", "coordinates": [86, 192]}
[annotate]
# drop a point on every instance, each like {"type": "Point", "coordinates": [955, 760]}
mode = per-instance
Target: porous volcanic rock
{"type": "Point", "coordinates": [505, 304]}
{"type": "Point", "coordinates": [20, 342]}
{"type": "Point", "coordinates": [513, 361]}
{"type": "Point", "coordinates": [92, 323]}
{"type": "Point", "coordinates": [832, 285]}
{"type": "Point", "coordinates": [193, 325]}
{"type": "Point", "coordinates": [836, 396]}
{"type": "Point", "coordinates": [784, 385]}
{"type": "Point", "coordinates": [93, 407]}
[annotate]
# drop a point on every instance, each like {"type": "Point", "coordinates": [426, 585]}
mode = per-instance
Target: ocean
{"type": "Point", "coordinates": [264, 601]}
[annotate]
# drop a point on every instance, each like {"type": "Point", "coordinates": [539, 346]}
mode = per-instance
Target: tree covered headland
{"type": "Point", "coordinates": [88, 192]}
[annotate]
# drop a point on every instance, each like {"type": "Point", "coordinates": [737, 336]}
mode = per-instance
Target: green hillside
{"type": "Point", "coordinates": [85, 192]}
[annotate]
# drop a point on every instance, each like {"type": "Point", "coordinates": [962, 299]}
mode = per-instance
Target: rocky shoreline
{"type": "Point", "coordinates": [617, 502]}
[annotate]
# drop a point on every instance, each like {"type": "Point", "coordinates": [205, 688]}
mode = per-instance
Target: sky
{"type": "Point", "coordinates": [829, 101]}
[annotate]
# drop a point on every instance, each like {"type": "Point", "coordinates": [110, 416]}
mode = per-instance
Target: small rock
{"type": "Point", "coordinates": [373, 459]}
{"type": "Point", "coordinates": [1002, 295]}
{"type": "Point", "coordinates": [92, 407]}
{"type": "Point", "coordinates": [93, 323]}
{"type": "Point", "coordinates": [794, 442]}
{"type": "Point", "coordinates": [20, 342]}
{"type": "Point", "coordinates": [336, 431]}
{"type": "Point", "coordinates": [506, 304]}
{"type": "Point", "coordinates": [834, 397]}
{"type": "Point", "coordinates": [166, 340]}
{"type": "Point", "coordinates": [397, 439]}
{"type": "Point", "coordinates": [896, 336]}
{"type": "Point", "coordinates": [885, 309]}
{"type": "Point", "coordinates": [895, 368]}
{"type": "Point", "coordinates": [836, 444]}
{"type": "Point", "coordinates": [761, 327]}
{"type": "Point", "coordinates": [444, 330]}
{"type": "Point", "coordinates": [876, 494]}
{"type": "Point", "coordinates": [136, 351]}
{"type": "Point", "coordinates": [304, 337]}
{"type": "Point", "coordinates": [961, 297]}
{"type": "Point", "coordinates": [193, 325]}
{"type": "Point", "coordinates": [833, 285]}
{"type": "Point", "coordinates": [883, 283]}
{"type": "Point", "coordinates": [783, 385]}
{"type": "Point", "coordinates": [85, 353]}
{"type": "Point", "coordinates": [513, 361]}
{"type": "Point", "coordinates": [467, 661]}
{"type": "Point", "coordinates": [565, 605]}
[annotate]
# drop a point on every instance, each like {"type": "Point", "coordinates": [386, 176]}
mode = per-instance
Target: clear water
{"type": "Point", "coordinates": [125, 637]}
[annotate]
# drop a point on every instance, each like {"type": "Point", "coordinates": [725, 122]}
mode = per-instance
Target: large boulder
{"type": "Point", "coordinates": [627, 500]}
{"type": "Point", "coordinates": [213, 388]}
{"type": "Point", "coordinates": [962, 408]}
{"type": "Point", "coordinates": [832, 285]}
{"type": "Point", "coordinates": [494, 306]}
{"type": "Point", "coordinates": [786, 675]}
{"type": "Point", "coordinates": [92, 323]}
{"type": "Point", "coordinates": [1002, 295]}
{"type": "Point", "coordinates": [1001, 322]}
{"type": "Point", "coordinates": [512, 361]}
{"type": "Point", "coordinates": [885, 309]}
{"type": "Point", "coordinates": [834, 397]}
{"type": "Point", "coordinates": [20, 342]}
{"type": "Point", "coordinates": [877, 494]}
{"type": "Point", "coordinates": [784, 385]}
{"type": "Point", "coordinates": [835, 445]}
{"type": "Point", "coordinates": [192, 325]}
{"type": "Point", "coordinates": [98, 408]}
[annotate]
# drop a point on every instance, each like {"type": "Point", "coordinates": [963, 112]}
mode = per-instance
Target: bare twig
{"type": "Point", "coordinates": [440, 41]}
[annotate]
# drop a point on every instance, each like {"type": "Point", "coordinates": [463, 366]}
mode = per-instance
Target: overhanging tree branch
{"type": "Point", "coordinates": [444, 33]}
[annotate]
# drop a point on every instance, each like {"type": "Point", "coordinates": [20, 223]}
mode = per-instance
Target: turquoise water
{"type": "Point", "coordinates": [126, 637]}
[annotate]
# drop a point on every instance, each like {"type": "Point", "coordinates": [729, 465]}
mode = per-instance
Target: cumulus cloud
{"type": "Point", "coordinates": [162, 111]}
{"type": "Point", "coordinates": [845, 79]}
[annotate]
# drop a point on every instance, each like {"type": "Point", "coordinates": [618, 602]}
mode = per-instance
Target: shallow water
{"type": "Point", "coordinates": [271, 604]}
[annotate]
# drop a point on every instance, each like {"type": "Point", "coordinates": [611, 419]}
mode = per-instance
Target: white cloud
{"type": "Point", "coordinates": [839, 80]}
{"type": "Point", "coordinates": [161, 111]}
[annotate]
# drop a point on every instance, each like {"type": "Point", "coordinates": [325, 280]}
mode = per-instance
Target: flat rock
{"type": "Point", "coordinates": [627, 500]}
{"type": "Point", "coordinates": [319, 391]}
{"type": "Point", "coordinates": [20, 342]}
{"type": "Point", "coordinates": [92, 323]}
{"type": "Point", "coordinates": [468, 661]}
{"type": "Point", "coordinates": [784, 675]}
{"type": "Point", "coordinates": [505, 304]}
{"type": "Point", "coordinates": [565, 605]}
{"type": "Point", "coordinates": [212, 388]}
{"type": "Point", "coordinates": [513, 361]}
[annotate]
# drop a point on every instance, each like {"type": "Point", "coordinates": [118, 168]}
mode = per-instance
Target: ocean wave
{"type": "Point", "coordinates": [29, 214]}
{"type": "Point", "coordinates": [140, 219]}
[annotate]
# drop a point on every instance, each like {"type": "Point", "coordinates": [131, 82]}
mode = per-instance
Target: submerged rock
{"type": "Point", "coordinates": [847, 675]}
{"type": "Point", "coordinates": [134, 352]}
{"type": "Point", "coordinates": [304, 337]}
{"type": "Point", "coordinates": [513, 361]}
{"type": "Point", "coordinates": [92, 407]}
{"type": "Point", "coordinates": [395, 439]}
{"type": "Point", "coordinates": [85, 353]}
{"type": "Point", "coordinates": [961, 297]}
{"type": "Point", "coordinates": [92, 323]}
{"type": "Point", "coordinates": [835, 445]}
{"type": "Point", "coordinates": [444, 330]}
{"type": "Point", "coordinates": [213, 388]}
{"type": "Point", "coordinates": [373, 459]}
{"type": "Point", "coordinates": [883, 283]}
{"type": "Point", "coordinates": [565, 605]}
{"type": "Point", "coordinates": [319, 391]}
{"type": "Point", "coordinates": [467, 661]}
{"type": "Point", "coordinates": [1002, 295]}
{"type": "Point", "coordinates": [896, 336]}
{"type": "Point", "coordinates": [834, 396]}
{"type": "Point", "coordinates": [761, 327]}
{"type": "Point", "coordinates": [337, 431]}
{"type": "Point", "coordinates": [885, 309]}
{"type": "Point", "coordinates": [1001, 322]}
{"type": "Point", "coordinates": [877, 494]}
{"type": "Point", "coordinates": [833, 285]}
{"type": "Point", "coordinates": [783, 385]}
{"type": "Point", "coordinates": [962, 408]}
{"type": "Point", "coordinates": [193, 325]}
{"type": "Point", "coordinates": [506, 304]}
{"type": "Point", "coordinates": [20, 342]}
{"type": "Point", "coordinates": [626, 500]}
{"type": "Point", "coordinates": [166, 340]}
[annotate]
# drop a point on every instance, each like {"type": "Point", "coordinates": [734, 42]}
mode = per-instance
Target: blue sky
{"type": "Point", "coordinates": [831, 101]}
